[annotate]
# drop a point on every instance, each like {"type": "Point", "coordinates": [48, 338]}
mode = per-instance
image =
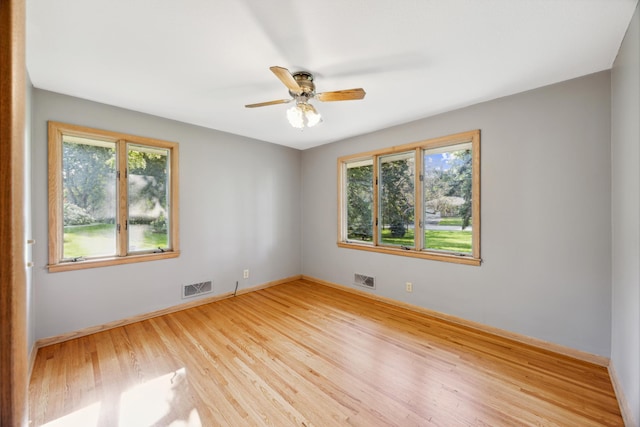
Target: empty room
{"type": "Point", "coordinates": [281, 213]}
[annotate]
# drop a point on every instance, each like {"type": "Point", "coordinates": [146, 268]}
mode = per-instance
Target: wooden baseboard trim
{"type": "Point", "coordinates": [541, 344]}
{"type": "Point", "coordinates": [625, 409]}
{"type": "Point", "coordinates": [43, 342]}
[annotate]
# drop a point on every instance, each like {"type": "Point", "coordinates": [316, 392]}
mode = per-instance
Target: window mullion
{"type": "Point", "coordinates": [342, 204]}
{"type": "Point", "coordinates": [123, 232]}
{"type": "Point", "coordinates": [172, 200]}
{"type": "Point", "coordinates": [56, 196]}
{"type": "Point", "coordinates": [376, 196]}
{"type": "Point", "coordinates": [475, 195]}
{"type": "Point", "coordinates": [418, 205]}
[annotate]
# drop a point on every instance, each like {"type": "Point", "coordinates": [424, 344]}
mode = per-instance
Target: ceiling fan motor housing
{"type": "Point", "coordinates": [305, 81]}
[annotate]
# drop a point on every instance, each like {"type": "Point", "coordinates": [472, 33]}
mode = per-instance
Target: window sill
{"type": "Point", "coordinates": [436, 256]}
{"type": "Point", "coordinates": [105, 262]}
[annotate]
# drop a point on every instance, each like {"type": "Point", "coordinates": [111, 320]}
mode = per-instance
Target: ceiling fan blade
{"type": "Point", "coordinates": [341, 95]}
{"type": "Point", "coordinates": [285, 77]}
{"type": "Point", "coordinates": [264, 104]}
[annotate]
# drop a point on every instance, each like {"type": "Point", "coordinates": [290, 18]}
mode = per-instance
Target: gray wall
{"type": "Point", "coordinates": [546, 218]}
{"type": "Point", "coordinates": [239, 208]}
{"type": "Point", "coordinates": [625, 211]}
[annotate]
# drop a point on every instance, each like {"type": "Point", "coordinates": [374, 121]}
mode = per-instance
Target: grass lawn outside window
{"type": "Point", "coordinates": [79, 238]}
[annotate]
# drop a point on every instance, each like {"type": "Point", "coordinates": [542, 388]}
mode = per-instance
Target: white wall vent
{"type": "Point", "coordinates": [197, 289]}
{"type": "Point", "coordinates": [366, 281]}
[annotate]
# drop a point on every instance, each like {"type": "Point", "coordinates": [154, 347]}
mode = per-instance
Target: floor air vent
{"type": "Point", "coordinates": [366, 281]}
{"type": "Point", "coordinates": [196, 289]}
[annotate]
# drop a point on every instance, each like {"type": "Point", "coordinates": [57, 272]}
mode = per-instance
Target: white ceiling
{"type": "Point", "coordinates": [201, 61]}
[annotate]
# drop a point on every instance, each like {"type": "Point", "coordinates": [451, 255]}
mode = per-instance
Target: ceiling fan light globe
{"type": "Point", "coordinates": [303, 115]}
{"type": "Point", "coordinates": [312, 117]}
{"type": "Point", "coordinates": [295, 117]}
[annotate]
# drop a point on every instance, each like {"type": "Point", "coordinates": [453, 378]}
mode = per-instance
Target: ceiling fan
{"type": "Point", "coordinates": [302, 89]}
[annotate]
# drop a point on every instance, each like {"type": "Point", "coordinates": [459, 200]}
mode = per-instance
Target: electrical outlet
{"type": "Point", "coordinates": [409, 286]}
{"type": "Point", "coordinates": [245, 274]}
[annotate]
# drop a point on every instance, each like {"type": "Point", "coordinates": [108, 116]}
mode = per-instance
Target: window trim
{"type": "Point", "coordinates": [474, 258]}
{"type": "Point", "coordinates": [56, 131]}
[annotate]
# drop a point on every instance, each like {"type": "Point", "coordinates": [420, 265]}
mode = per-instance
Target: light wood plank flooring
{"type": "Point", "coordinates": [306, 354]}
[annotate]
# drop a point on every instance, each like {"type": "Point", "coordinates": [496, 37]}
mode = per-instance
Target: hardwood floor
{"type": "Point", "coordinates": [306, 354]}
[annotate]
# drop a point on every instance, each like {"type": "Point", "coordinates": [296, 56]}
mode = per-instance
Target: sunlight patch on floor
{"type": "Point", "coordinates": [86, 417]}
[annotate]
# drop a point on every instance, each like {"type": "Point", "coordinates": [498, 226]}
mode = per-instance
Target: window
{"type": "Point", "coordinates": [359, 199]}
{"type": "Point", "coordinates": [419, 200]}
{"type": "Point", "coordinates": [113, 198]}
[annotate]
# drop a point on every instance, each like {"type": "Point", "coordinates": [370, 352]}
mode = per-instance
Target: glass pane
{"type": "Point", "coordinates": [396, 223]}
{"type": "Point", "coordinates": [360, 200]}
{"type": "Point", "coordinates": [447, 199]}
{"type": "Point", "coordinates": [148, 194]}
{"type": "Point", "coordinates": [89, 196]}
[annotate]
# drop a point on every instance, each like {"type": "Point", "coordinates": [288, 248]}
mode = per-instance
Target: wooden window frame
{"type": "Point", "coordinates": [56, 131]}
{"type": "Point", "coordinates": [472, 137]}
